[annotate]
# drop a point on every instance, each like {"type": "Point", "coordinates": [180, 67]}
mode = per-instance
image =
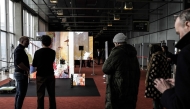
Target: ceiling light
{"type": "Point", "coordinates": [64, 20]}
{"type": "Point", "coordinates": [68, 28]}
{"type": "Point", "coordinates": [109, 23]}
{"type": "Point", "coordinates": [116, 17]}
{"type": "Point", "coordinates": [53, 1]}
{"type": "Point", "coordinates": [60, 12]}
{"type": "Point", "coordinates": [128, 6]}
{"type": "Point", "coordinates": [105, 28]}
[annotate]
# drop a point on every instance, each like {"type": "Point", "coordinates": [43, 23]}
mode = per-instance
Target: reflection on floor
{"type": "Point", "coordinates": [5, 75]}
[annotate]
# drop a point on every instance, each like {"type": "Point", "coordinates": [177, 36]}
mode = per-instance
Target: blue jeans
{"type": "Point", "coordinates": [21, 88]}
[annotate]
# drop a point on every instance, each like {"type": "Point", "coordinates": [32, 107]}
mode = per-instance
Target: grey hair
{"type": "Point", "coordinates": [184, 16]}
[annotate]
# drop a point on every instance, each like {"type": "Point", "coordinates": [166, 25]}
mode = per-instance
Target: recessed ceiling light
{"type": "Point", "coordinates": [53, 1]}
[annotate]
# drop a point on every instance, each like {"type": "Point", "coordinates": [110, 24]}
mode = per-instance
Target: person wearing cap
{"type": "Point", "coordinates": [123, 75]}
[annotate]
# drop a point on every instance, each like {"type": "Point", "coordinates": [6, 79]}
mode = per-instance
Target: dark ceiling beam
{"type": "Point", "coordinates": [163, 1]}
{"type": "Point", "coordinates": [93, 22]}
{"type": "Point", "coordinates": [101, 9]}
{"type": "Point", "coordinates": [99, 26]}
{"type": "Point", "coordinates": [138, 13]}
{"type": "Point", "coordinates": [98, 29]}
{"type": "Point", "coordinates": [83, 16]}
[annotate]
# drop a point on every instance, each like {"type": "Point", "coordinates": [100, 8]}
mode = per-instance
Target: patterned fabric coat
{"type": "Point", "coordinates": [123, 72]}
{"type": "Point", "coordinates": [158, 67]}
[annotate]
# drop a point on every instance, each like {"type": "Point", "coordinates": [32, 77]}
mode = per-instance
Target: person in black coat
{"type": "Point", "coordinates": [98, 56]}
{"type": "Point", "coordinates": [176, 92]}
{"type": "Point", "coordinates": [123, 75]}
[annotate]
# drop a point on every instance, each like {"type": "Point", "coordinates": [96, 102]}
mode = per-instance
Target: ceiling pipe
{"type": "Point", "coordinates": [82, 16]}
{"type": "Point", "coordinates": [99, 26]}
{"type": "Point", "coordinates": [99, 9]}
{"type": "Point", "coordinates": [149, 1]}
{"type": "Point", "coordinates": [90, 22]}
{"type": "Point", "coordinates": [138, 13]}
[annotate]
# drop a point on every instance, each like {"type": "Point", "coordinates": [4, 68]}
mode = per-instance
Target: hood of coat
{"type": "Point", "coordinates": [128, 49]}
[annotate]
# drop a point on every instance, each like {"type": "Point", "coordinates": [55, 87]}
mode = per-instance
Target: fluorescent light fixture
{"type": "Point", "coordinates": [105, 28]}
{"type": "Point", "coordinates": [128, 6]}
{"type": "Point", "coordinates": [116, 17]}
{"type": "Point", "coordinates": [109, 23]}
{"type": "Point", "coordinates": [68, 28]}
{"type": "Point", "coordinates": [64, 20]}
{"type": "Point", "coordinates": [53, 1]}
{"type": "Point", "coordinates": [60, 12]}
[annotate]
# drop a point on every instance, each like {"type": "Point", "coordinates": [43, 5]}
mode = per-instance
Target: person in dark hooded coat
{"type": "Point", "coordinates": [123, 75]}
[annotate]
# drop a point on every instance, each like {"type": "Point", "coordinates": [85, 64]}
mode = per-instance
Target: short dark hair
{"type": "Point", "coordinates": [165, 48]}
{"type": "Point", "coordinates": [46, 40]}
{"type": "Point", "coordinates": [23, 38]}
{"type": "Point", "coordinates": [155, 48]}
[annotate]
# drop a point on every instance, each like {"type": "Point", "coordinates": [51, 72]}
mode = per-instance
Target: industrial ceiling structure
{"type": "Point", "coordinates": [101, 18]}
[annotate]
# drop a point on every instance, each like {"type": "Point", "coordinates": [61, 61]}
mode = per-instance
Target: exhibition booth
{"type": "Point", "coordinates": [71, 48]}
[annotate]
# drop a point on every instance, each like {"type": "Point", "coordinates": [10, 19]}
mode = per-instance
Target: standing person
{"type": "Point", "coordinates": [122, 68]}
{"type": "Point", "coordinates": [158, 67]}
{"type": "Point", "coordinates": [21, 64]}
{"type": "Point", "coordinates": [98, 55]}
{"type": "Point", "coordinates": [169, 55]}
{"type": "Point", "coordinates": [178, 96]}
{"type": "Point", "coordinates": [45, 79]}
{"type": "Point", "coordinates": [103, 55]}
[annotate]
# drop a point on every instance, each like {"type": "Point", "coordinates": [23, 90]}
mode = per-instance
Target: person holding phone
{"type": "Point", "coordinates": [158, 67]}
{"type": "Point", "coordinates": [178, 96]}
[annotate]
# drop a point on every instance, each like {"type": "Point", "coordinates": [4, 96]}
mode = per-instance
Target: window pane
{"type": "Point", "coordinates": [27, 24]}
{"type": "Point", "coordinates": [12, 47]}
{"type": "Point", "coordinates": [3, 15]}
{"type": "Point", "coordinates": [10, 16]}
{"type": "Point", "coordinates": [3, 49]}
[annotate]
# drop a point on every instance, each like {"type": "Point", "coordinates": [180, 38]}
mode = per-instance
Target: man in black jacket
{"type": "Point", "coordinates": [21, 64]}
{"type": "Point", "coordinates": [177, 95]}
{"type": "Point", "coordinates": [45, 79]}
{"type": "Point", "coordinates": [123, 72]}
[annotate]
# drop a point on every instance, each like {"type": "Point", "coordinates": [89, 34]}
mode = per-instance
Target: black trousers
{"type": "Point", "coordinates": [49, 84]}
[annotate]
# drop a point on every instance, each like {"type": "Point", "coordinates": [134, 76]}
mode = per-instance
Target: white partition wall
{"type": "Point", "coordinates": [71, 53]}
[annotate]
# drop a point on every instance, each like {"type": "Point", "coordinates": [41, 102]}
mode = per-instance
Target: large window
{"type": "Point", "coordinates": [7, 37]}
{"type": "Point", "coordinates": [10, 16]}
{"type": "Point", "coordinates": [3, 49]}
{"type": "Point", "coordinates": [3, 15]}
